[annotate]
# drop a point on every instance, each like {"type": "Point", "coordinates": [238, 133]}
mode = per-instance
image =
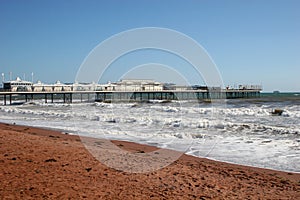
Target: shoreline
{"type": "Point", "coordinates": [63, 131]}
{"type": "Point", "coordinates": [41, 163]}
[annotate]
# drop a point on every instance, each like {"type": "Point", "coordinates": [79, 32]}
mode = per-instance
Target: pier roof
{"type": "Point", "coordinates": [18, 80]}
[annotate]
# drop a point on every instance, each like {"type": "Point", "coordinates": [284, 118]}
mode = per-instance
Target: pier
{"type": "Point", "coordinates": [19, 97]}
{"type": "Point", "coordinates": [140, 90]}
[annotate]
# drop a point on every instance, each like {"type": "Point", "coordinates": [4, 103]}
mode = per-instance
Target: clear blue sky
{"type": "Point", "coordinates": [251, 42]}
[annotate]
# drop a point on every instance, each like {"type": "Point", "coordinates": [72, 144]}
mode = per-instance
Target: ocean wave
{"type": "Point", "coordinates": [256, 119]}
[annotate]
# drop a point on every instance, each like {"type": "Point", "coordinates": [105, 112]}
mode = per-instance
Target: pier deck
{"type": "Point", "coordinates": [108, 96]}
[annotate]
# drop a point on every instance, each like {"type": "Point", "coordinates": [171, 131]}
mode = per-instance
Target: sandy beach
{"type": "Point", "coordinates": [44, 164]}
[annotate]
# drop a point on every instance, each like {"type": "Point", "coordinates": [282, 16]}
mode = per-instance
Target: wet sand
{"type": "Point", "coordinates": [44, 164]}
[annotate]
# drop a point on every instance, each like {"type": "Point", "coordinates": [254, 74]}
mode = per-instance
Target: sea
{"type": "Point", "coordinates": [240, 131]}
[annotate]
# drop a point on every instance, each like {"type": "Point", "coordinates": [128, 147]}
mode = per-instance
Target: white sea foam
{"type": "Point", "coordinates": [245, 134]}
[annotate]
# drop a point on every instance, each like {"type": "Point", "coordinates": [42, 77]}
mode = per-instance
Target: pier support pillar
{"type": "Point", "coordinates": [5, 99]}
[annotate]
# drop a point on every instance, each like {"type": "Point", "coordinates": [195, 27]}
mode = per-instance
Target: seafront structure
{"type": "Point", "coordinates": [19, 85]}
{"type": "Point", "coordinates": [16, 85]}
{"type": "Point", "coordinates": [123, 90]}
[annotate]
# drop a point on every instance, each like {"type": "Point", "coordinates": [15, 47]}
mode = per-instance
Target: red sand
{"type": "Point", "coordinates": [43, 164]}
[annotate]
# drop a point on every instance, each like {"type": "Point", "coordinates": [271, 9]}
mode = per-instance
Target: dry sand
{"type": "Point", "coordinates": [42, 164]}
